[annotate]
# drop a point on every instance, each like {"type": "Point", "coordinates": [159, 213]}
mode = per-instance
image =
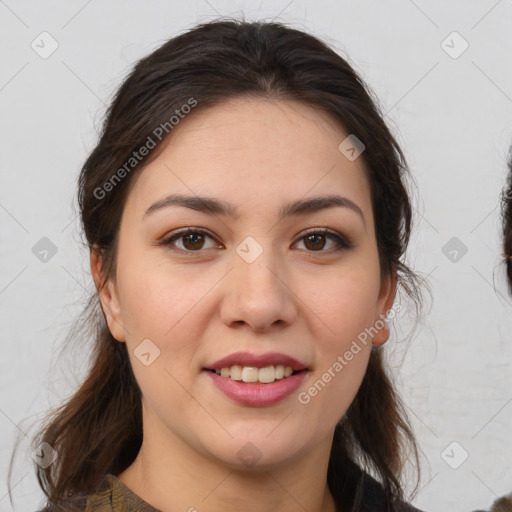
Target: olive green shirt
{"type": "Point", "coordinates": [114, 496]}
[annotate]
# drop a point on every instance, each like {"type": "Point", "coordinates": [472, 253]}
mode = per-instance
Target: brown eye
{"type": "Point", "coordinates": [192, 240]}
{"type": "Point", "coordinates": [315, 240]}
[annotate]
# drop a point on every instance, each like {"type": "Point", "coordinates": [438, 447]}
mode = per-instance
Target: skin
{"type": "Point", "coordinates": [300, 298]}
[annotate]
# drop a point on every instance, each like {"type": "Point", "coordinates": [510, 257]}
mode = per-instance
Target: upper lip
{"type": "Point", "coordinates": [257, 360]}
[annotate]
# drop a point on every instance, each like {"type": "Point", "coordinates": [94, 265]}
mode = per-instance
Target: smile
{"type": "Point", "coordinates": [250, 374]}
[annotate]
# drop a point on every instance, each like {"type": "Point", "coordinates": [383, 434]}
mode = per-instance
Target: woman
{"type": "Point", "coordinates": [504, 503]}
{"type": "Point", "coordinates": [506, 213]}
{"type": "Point", "coordinates": [247, 216]}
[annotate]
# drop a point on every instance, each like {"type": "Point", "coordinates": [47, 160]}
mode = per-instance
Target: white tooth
{"type": "Point", "coordinates": [250, 374]}
{"type": "Point", "coordinates": [235, 372]}
{"type": "Point", "coordinates": [267, 374]}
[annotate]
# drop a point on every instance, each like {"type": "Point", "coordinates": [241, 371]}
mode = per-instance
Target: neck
{"type": "Point", "coordinates": [180, 478]}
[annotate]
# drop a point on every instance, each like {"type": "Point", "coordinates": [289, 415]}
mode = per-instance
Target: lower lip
{"type": "Point", "coordinates": [258, 395]}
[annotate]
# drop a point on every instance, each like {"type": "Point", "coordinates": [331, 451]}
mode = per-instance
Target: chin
{"type": "Point", "coordinates": [257, 451]}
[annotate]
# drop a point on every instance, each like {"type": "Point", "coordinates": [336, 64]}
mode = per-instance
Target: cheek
{"type": "Point", "coordinates": [347, 306]}
{"type": "Point", "coordinates": [347, 309]}
{"type": "Point", "coordinates": [163, 307]}
{"type": "Point", "coordinates": [168, 307]}
{"type": "Point", "coordinates": [155, 298]}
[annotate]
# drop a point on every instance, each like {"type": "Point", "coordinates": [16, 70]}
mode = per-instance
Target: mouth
{"type": "Point", "coordinates": [246, 388]}
{"type": "Point", "coordinates": [257, 380]}
{"type": "Point", "coordinates": [256, 375]}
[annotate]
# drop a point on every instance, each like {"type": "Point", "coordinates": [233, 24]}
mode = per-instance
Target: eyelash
{"type": "Point", "coordinates": [342, 242]}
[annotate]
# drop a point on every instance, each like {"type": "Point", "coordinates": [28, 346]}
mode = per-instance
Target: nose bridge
{"type": "Point", "coordinates": [257, 268]}
{"type": "Point", "coordinates": [258, 294]}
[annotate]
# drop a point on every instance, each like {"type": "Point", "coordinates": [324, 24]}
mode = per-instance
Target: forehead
{"type": "Point", "coordinates": [249, 149]}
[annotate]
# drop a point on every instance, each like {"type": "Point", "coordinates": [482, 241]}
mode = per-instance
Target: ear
{"type": "Point", "coordinates": [385, 301]}
{"type": "Point", "coordinates": [108, 297]}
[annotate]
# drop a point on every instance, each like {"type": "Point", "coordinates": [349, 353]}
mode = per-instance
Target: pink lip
{"type": "Point", "coordinates": [255, 395]}
{"type": "Point", "coordinates": [258, 361]}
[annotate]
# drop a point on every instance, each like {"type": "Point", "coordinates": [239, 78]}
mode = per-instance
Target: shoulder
{"type": "Point", "coordinates": [66, 506]}
{"type": "Point", "coordinates": [114, 496]}
{"type": "Point", "coordinates": [99, 500]}
{"type": "Point", "coordinates": [503, 504]}
{"type": "Point", "coordinates": [71, 505]}
{"type": "Point", "coordinates": [373, 497]}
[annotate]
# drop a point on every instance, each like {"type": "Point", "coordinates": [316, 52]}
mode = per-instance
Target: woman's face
{"type": "Point", "coordinates": [248, 283]}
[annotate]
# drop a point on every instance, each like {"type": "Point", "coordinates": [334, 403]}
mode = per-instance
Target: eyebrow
{"type": "Point", "coordinates": [218, 207]}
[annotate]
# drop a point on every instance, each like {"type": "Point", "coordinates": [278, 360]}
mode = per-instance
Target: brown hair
{"type": "Point", "coordinates": [506, 212]}
{"type": "Point", "coordinates": [99, 429]}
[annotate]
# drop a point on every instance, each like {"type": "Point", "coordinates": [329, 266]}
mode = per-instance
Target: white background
{"type": "Point", "coordinates": [453, 117]}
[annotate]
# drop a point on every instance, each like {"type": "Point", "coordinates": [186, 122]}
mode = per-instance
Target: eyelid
{"type": "Point", "coordinates": [176, 235]}
{"type": "Point", "coordinates": [342, 241]}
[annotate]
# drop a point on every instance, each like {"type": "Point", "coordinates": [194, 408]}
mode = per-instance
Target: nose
{"type": "Point", "coordinates": [258, 295]}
